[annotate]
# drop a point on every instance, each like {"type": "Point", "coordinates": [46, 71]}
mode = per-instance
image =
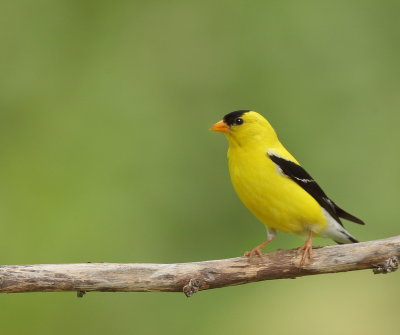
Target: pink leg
{"type": "Point", "coordinates": [306, 249]}
{"type": "Point", "coordinates": [257, 250]}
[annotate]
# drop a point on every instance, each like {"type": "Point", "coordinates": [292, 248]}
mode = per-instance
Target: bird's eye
{"type": "Point", "coordinates": [239, 121]}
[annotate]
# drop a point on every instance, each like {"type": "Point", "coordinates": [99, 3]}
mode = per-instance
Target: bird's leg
{"type": "Point", "coordinates": [306, 249]}
{"type": "Point", "coordinates": [271, 233]}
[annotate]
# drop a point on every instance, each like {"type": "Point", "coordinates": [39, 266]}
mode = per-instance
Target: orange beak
{"type": "Point", "coordinates": [221, 126]}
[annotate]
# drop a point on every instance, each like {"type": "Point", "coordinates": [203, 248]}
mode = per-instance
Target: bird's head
{"type": "Point", "coordinates": [244, 127]}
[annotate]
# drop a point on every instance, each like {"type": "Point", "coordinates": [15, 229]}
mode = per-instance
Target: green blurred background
{"type": "Point", "coordinates": [106, 155]}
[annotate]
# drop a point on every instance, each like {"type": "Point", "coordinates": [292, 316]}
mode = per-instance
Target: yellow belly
{"type": "Point", "coordinates": [274, 199]}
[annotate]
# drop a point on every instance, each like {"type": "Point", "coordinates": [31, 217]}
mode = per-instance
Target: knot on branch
{"type": "Point", "coordinates": [192, 287]}
{"type": "Point", "coordinates": [390, 265]}
{"type": "Point", "coordinates": [80, 294]}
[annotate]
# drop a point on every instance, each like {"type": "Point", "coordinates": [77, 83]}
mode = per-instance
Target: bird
{"type": "Point", "coordinates": [276, 188]}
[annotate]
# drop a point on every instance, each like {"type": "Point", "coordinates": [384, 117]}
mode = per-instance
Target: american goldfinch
{"type": "Point", "coordinates": [275, 188]}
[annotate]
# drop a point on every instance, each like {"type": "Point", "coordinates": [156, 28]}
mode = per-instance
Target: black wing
{"type": "Point", "coordinates": [305, 181]}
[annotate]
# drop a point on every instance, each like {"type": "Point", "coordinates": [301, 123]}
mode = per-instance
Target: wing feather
{"type": "Point", "coordinates": [305, 181]}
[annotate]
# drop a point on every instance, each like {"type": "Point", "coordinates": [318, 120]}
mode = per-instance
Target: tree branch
{"type": "Point", "coordinates": [381, 255]}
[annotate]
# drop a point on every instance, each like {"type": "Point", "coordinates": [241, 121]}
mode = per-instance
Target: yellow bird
{"type": "Point", "coordinates": [275, 188]}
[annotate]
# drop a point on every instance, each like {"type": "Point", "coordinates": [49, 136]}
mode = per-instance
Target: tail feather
{"type": "Point", "coordinates": [345, 215]}
{"type": "Point", "coordinates": [336, 231]}
{"type": "Point", "coordinates": [349, 237]}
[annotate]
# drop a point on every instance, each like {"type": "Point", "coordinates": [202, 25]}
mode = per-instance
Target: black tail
{"type": "Point", "coordinates": [343, 214]}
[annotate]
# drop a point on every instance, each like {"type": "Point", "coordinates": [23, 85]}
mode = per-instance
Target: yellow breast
{"type": "Point", "coordinates": [274, 199]}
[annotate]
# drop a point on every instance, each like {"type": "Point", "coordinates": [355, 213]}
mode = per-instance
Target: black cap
{"type": "Point", "coordinates": [230, 118]}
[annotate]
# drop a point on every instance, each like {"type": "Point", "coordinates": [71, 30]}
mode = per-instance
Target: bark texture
{"type": "Point", "coordinates": [381, 255]}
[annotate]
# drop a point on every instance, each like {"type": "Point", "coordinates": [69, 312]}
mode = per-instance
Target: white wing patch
{"type": "Point", "coordinates": [273, 152]}
{"type": "Point", "coordinates": [305, 180]}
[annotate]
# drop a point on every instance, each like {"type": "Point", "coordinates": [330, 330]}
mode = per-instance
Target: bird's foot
{"type": "Point", "coordinates": [257, 251]}
{"type": "Point", "coordinates": [254, 252]}
{"type": "Point", "coordinates": [306, 256]}
{"type": "Point", "coordinates": [306, 249]}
